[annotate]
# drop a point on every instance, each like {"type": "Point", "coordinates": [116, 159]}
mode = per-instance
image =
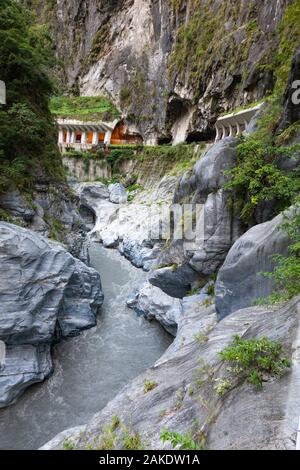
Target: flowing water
{"type": "Point", "coordinates": [90, 369]}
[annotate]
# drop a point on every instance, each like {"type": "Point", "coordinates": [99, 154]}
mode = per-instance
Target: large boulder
{"type": "Point", "coordinates": [221, 228]}
{"type": "Point", "coordinates": [216, 231]}
{"type": "Point", "coordinates": [92, 191]}
{"type": "Point", "coordinates": [117, 193]}
{"type": "Point", "coordinates": [13, 203]}
{"type": "Point", "coordinates": [154, 303]}
{"type": "Point", "coordinates": [209, 170]}
{"type": "Point", "coordinates": [45, 294]}
{"type": "Point", "coordinates": [240, 280]}
{"type": "Point", "coordinates": [175, 280]}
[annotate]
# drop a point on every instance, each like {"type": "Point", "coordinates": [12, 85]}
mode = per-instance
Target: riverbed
{"type": "Point", "coordinates": [92, 368]}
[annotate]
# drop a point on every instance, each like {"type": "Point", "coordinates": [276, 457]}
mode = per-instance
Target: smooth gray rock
{"type": "Point", "coordinates": [209, 170]}
{"type": "Point", "coordinates": [24, 366]}
{"type": "Point", "coordinates": [186, 400]}
{"type": "Point", "coordinates": [140, 254]}
{"type": "Point", "coordinates": [217, 229]}
{"type": "Point", "coordinates": [14, 204]}
{"type": "Point", "coordinates": [94, 191]}
{"type": "Point", "coordinates": [117, 193]}
{"type": "Point", "coordinates": [175, 281]}
{"type": "Point", "coordinates": [45, 294]}
{"type": "Point", "coordinates": [240, 280]}
{"type": "Point", "coordinates": [221, 229]}
{"type": "Point", "coordinates": [152, 302]}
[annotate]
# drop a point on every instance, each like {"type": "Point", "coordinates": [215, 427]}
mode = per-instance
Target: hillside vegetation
{"type": "Point", "coordinates": [83, 108]}
{"type": "Point", "coordinates": [28, 151]}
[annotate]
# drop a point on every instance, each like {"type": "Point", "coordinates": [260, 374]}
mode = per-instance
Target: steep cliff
{"type": "Point", "coordinates": [171, 66]}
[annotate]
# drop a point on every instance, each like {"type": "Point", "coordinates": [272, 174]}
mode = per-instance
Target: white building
{"type": "Point", "coordinates": [80, 135]}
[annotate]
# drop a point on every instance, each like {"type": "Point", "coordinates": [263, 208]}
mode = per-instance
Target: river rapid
{"type": "Point", "coordinates": [92, 368]}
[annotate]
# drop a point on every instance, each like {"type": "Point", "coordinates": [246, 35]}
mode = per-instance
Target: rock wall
{"type": "Point", "coordinates": [50, 210]}
{"type": "Point", "coordinates": [46, 295]}
{"type": "Point", "coordinates": [89, 170]}
{"type": "Point", "coordinates": [184, 398]}
{"type": "Point", "coordinates": [138, 53]}
{"type": "Point", "coordinates": [182, 266]}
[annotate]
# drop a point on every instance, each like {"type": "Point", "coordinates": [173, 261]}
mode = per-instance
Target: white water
{"type": "Point", "coordinates": [90, 369]}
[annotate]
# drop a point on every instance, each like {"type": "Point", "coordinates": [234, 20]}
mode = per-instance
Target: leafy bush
{"type": "Point", "coordinates": [254, 359]}
{"type": "Point", "coordinates": [257, 177]}
{"type": "Point", "coordinates": [68, 445]}
{"type": "Point", "coordinates": [183, 441]}
{"type": "Point", "coordinates": [149, 385]}
{"type": "Point", "coordinates": [28, 149]}
{"type": "Point", "coordinates": [287, 268]}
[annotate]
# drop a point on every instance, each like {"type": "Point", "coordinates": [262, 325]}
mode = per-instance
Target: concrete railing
{"type": "Point", "coordinates": [235, 124]}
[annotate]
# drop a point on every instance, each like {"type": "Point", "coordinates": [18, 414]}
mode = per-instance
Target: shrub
{"type": "Point", "coordinates": [27, 134]}
{"type": "Point", "coordinates": [149, 385]}
{"type": "Point", "coordinates": [183, 441]}
{"type": "Point", "coordinates": [132, 440]}
{"type": "Point", "coordinates": [257, 177]}
{"type": "Point", "coordinates": [68, 445]}
{"type": "Point", "coordinates": [222, 387]}
{"type": "Point", "coordinates": [287, 268]}
{"type": "Point", "coordinates": [254, 359]}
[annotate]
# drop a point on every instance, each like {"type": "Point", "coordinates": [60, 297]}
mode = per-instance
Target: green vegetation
{"type": "Point", "coordinates": [98, 46]}
{"type": "Point", "coordinates": [244, 108]}
{"type": "Point", "coordinates": [114, 436]}
{"type": "Point", "coordinates": [289, 34]}
{"type": "Point", "coordinates": [257, 177]}
{"type": "Point", "coordinates": [254, 360]}
{"type": "Point", "coordinates": [223, 387]}
{"type": "Point", "coordinates": [201, 338]}
{"type": "Point", "coordinates": [134, 91]}
{"type": "Point", "coordinates": [164, 158]}
{"type": "Point", "coordinates": [149, 385]}
{"type": "Point", "coordinates": [132, 440]}
{"type": "Point", "coordinates": [203, 40]}
{"type": "Point", "coordinates": [211, 290]}
{"type": "Point", "coordinates": [83, 108]}
{"type": "Point", "coordinates": [287, 268]}
{"type": "Point", "coordinates": [28, 150]}
{"type": "Point", "coordinates": [183, 441]}
{"type": "Point", "coordinates": [68, 445]}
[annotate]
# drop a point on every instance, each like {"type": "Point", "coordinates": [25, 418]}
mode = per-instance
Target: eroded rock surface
{"type": "Point", "coordinates": [185, 398]}
{"type": "Point", "coordinates": [241, 280]}
{"type": "Point", "coordinates": [46, 294]}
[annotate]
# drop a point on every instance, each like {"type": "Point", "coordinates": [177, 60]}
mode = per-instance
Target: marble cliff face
{"type": "Point", "coordinates": [137, 53]}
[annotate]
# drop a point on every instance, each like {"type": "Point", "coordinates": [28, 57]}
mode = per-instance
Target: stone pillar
{"type": "Point", "coordinates": [68, 136]}
{"type": "Point", "coordinates": [73, 137]}
{"type": "Point", "coordinates": [107, 137]}
{"type": "Point", "coordinates": [224, 132]}
{"type": "Point", "coordinates": [84, 137]}
{"type": "Point", "coordinates": [218, 133]}
{"type": "Point", "coordinates": [60, 137]}
{"type": "Point", "coordinates": [95, 138]}
{"type": "Point", "coordinates": [238, 128]}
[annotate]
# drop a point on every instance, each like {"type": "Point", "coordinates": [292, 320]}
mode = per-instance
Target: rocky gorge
{"type": "Point", "coordinates": [186, 378]}
{"type": "Point", "coordinates": [154, 285]}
